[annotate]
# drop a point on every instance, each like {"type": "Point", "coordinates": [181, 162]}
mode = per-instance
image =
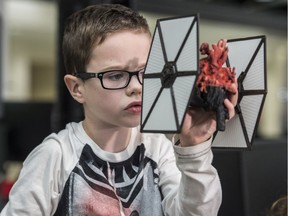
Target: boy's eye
{"type": "Point", "coordinates": [114, 76]}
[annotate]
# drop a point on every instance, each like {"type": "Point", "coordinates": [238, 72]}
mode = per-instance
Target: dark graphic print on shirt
{"type": "Point", "coordinates": [97, 187]}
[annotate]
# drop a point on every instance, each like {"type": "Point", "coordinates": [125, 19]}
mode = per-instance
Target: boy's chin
{"type": "Point", "coordinates": [133, 124]}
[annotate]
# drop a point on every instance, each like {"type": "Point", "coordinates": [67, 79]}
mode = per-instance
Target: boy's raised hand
{"type": "Point", "coordinates": [199, 125]}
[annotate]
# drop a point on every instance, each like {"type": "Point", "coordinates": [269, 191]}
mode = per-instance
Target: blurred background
{"type": "Point", "coordinates": [34, 101]}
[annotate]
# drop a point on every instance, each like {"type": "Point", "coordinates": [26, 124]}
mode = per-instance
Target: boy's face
{"type": "Point", "coordinates": [125, 50]}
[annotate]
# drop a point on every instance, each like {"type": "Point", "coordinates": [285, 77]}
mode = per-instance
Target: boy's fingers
{"type": "Point", "coordinates": [230, 106]}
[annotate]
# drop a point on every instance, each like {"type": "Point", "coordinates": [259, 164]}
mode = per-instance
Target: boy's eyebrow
{"type": "Point", "coordinates": [140, 65]}
{"type": "Point", "coordinates": [129, 67]}
{"type": "Point", "coordinates": [125, 68]}
{"type": "Point", "coordinates": [111, 67]}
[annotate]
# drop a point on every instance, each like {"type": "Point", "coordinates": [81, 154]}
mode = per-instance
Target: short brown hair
{"type": "Point", "coordinates": [90, 26]}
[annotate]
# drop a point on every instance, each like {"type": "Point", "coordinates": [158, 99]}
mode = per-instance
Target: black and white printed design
{"type": "Point", "coordinates": [97, 187]}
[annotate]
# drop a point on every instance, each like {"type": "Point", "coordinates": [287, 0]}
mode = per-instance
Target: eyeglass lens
{"type": "Point", "coordinates": [119, 79]}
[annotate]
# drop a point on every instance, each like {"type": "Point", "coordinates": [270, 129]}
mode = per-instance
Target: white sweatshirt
{"type": "Point", "coordinates": [68, 174]}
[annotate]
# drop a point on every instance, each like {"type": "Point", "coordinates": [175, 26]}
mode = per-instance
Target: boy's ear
{"type": "Point", "coordinates": [74, 86]}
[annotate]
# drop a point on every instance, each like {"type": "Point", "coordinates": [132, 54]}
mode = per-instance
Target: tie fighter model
{"type": "Point", "coordinates": [170, 79]}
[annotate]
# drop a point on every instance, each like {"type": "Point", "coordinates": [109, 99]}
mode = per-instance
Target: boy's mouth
{"type": "Point", "coordinates": [134, 107]}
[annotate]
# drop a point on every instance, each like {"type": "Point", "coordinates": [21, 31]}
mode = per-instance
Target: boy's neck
{"type": "Point", "coordinates": [113, 139]}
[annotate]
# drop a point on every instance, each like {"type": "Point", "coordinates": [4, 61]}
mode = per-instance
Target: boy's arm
{"type": "Point", "coordinates": [199, 190]}
{"type": "Point", "coordinates": [200, 184]}
{"type": "Point", "coordinates": [36, 190]}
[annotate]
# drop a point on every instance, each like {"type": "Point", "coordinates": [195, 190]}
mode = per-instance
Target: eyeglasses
{"type": "Point", "coordinates": [113, 79]}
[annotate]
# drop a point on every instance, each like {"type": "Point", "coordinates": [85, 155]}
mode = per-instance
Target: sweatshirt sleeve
{"type": "Point", "coordinates": [36, 191]}
{"type": "Point", "coordinates": [199, 191]}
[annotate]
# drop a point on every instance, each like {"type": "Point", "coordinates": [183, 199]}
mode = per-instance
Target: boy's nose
{"type": "Point", "coordinates": [134, 87]}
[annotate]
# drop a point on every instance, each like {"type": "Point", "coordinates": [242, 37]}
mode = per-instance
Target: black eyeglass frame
{"type": "Point", "coordinates": [88, 75]}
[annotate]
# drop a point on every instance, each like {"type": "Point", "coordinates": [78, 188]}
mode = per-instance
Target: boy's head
{"type": "Point", "coordinates": [89, 27]}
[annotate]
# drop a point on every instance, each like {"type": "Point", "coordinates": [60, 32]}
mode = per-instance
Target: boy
{"type": "Point", "coordinates": [104, 165]}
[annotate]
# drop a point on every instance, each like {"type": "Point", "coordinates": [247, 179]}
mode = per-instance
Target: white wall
{"type": "Point", "coordinates": [30, 39]}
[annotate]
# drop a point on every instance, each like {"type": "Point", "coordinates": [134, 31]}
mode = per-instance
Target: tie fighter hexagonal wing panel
{"type": "Point", "coordinates": [171, 71]}
{"type": "Point", "coordinates": [248, 56]}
